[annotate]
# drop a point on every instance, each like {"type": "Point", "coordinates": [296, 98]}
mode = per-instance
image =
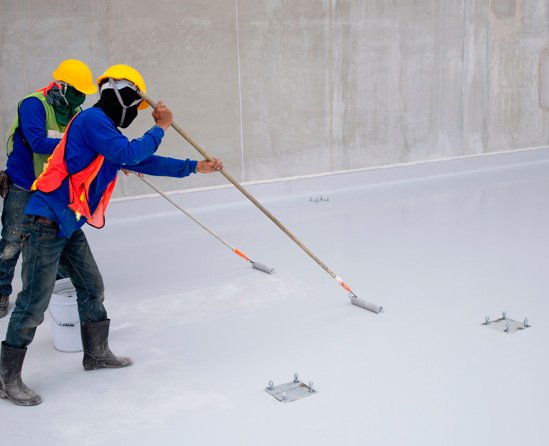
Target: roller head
{"type": "Point", "coordinates": [366, 305]}
{"type": "Point", "coordinates": [263, 268]}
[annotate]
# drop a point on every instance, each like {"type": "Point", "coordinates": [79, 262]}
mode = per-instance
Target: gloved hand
{"type": "Point", "coordinates": [4, 186]}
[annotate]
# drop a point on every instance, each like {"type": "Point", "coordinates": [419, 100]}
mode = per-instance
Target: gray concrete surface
{"type": "Point", "coordinates": [207, 332]}
{"type": "Point", "coordinates": [288, 88]}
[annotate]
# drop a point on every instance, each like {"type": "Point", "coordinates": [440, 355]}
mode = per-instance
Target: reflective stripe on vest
{"type": "Point", "coordinates": [79, 184]}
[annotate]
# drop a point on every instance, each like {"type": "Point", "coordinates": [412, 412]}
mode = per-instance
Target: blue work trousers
{"type": "Point", "coordinates": [43, 252]}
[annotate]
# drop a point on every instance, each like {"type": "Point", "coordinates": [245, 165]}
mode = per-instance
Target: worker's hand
{"type": "Point", "coordinates": [162, 115]}
{"type": "Point", "coordinates": [209, 166]}
{"type": "Point", "coordinates": [128, 172]}
{"type": "Point", "coordinates": [4, 186]}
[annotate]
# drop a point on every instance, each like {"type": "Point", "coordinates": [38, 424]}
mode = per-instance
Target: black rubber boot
{"type": "Point", "coordinates": [97, 354]}
{"type": "Point", "coordinates": [11, 384]}
{"type": "Point", "coordinates": [4, 303]}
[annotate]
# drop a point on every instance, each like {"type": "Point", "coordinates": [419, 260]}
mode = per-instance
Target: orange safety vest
{"type": "Point", "coordinates": [79, 184]}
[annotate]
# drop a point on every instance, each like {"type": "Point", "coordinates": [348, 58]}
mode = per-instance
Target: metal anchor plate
{"type": "Point", "coordinates": [291, 391]}
{"type": "Point", "coordinates": [506, 325]}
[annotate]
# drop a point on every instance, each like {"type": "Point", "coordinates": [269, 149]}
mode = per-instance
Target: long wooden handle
{"type": "Point", "coordinates": [250, 197]}
{"type": "Point", "coordinates": [198, 222]}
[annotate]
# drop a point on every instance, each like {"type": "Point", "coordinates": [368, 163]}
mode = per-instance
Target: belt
{"type": "Point", "coordinates": [40, 219]}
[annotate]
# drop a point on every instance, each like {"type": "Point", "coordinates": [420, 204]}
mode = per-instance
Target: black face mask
{"type": "Point", "coordinates": [109, 103]}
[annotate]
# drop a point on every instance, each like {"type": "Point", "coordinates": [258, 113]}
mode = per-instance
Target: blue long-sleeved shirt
{"type": "Point", "coordinates": [92, 133]}
{"type": "Point", "coordinates": [32, 123]}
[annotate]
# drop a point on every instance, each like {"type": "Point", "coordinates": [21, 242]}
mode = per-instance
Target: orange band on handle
{"type": "Point", "coordinates": [241, 254]}
{"type": "Point", "coordinates": [343, 284]}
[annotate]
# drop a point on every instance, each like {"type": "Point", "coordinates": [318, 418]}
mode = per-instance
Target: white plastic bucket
{"type": "Point", "coordinates": [65, 321]}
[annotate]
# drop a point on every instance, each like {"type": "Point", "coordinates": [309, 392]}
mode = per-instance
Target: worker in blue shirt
{"type": "Point", "coordinates": [75, 189]}
{"type": "Point", "coordinates": [37, 129]}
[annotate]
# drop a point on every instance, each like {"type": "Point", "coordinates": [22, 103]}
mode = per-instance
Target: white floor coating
{"type": "Point", "coordinates": [207, 332]}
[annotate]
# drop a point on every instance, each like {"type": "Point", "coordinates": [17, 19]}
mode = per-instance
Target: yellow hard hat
{"type": "Point", "coordinates": [122, 71]}
{"type": "Point", "coordinates": [76, 73]}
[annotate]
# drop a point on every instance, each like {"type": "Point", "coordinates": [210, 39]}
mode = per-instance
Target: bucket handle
{"type": "Point", "coordinates": [62, 324]}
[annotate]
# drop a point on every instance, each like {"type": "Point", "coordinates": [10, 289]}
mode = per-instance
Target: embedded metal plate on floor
{"type": "Point", "coordinates": [291, 391]}
{"type": "Point", "coordinates": [319, 200]}
{"type": "Point", "coordinates": [506, 325]}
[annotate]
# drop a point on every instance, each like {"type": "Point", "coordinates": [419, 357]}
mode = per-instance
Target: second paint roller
{"type": "Point", "coordinates": [256, 265]}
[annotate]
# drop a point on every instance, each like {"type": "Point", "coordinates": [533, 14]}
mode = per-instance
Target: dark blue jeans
{"type": "Point", "coordinates": [10, 245]}
{"type": "Point", "coordinates": [43, 252]}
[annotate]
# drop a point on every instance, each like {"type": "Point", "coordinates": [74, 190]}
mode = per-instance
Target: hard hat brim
{"type": "Point", "coordinates": [92, 89]}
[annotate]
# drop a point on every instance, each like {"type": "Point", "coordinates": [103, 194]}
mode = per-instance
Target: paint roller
{"type": "Point", "coordinates": [355, 300]}
{"type": "Point", "coordinates": [256, 265]}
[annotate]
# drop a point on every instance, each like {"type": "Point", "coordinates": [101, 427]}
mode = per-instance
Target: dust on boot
{"type": "Point", "coordinates": [11, 384]}
{"type": "Point", "coordinates": [97, 354]}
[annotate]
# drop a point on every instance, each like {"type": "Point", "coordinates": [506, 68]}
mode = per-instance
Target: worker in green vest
{"type": "Point", "coordinates": [37, 129]}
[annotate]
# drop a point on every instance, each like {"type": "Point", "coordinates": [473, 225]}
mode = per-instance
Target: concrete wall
{"type": "Point", "coordinates": [280, 88]}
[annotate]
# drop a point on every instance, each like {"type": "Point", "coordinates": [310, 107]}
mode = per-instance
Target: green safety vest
{"type": "Point", "coordinates": [53, 129]}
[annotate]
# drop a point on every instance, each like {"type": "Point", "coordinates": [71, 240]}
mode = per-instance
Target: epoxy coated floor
{"type": "Point", "coordinates": [440, 246]}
